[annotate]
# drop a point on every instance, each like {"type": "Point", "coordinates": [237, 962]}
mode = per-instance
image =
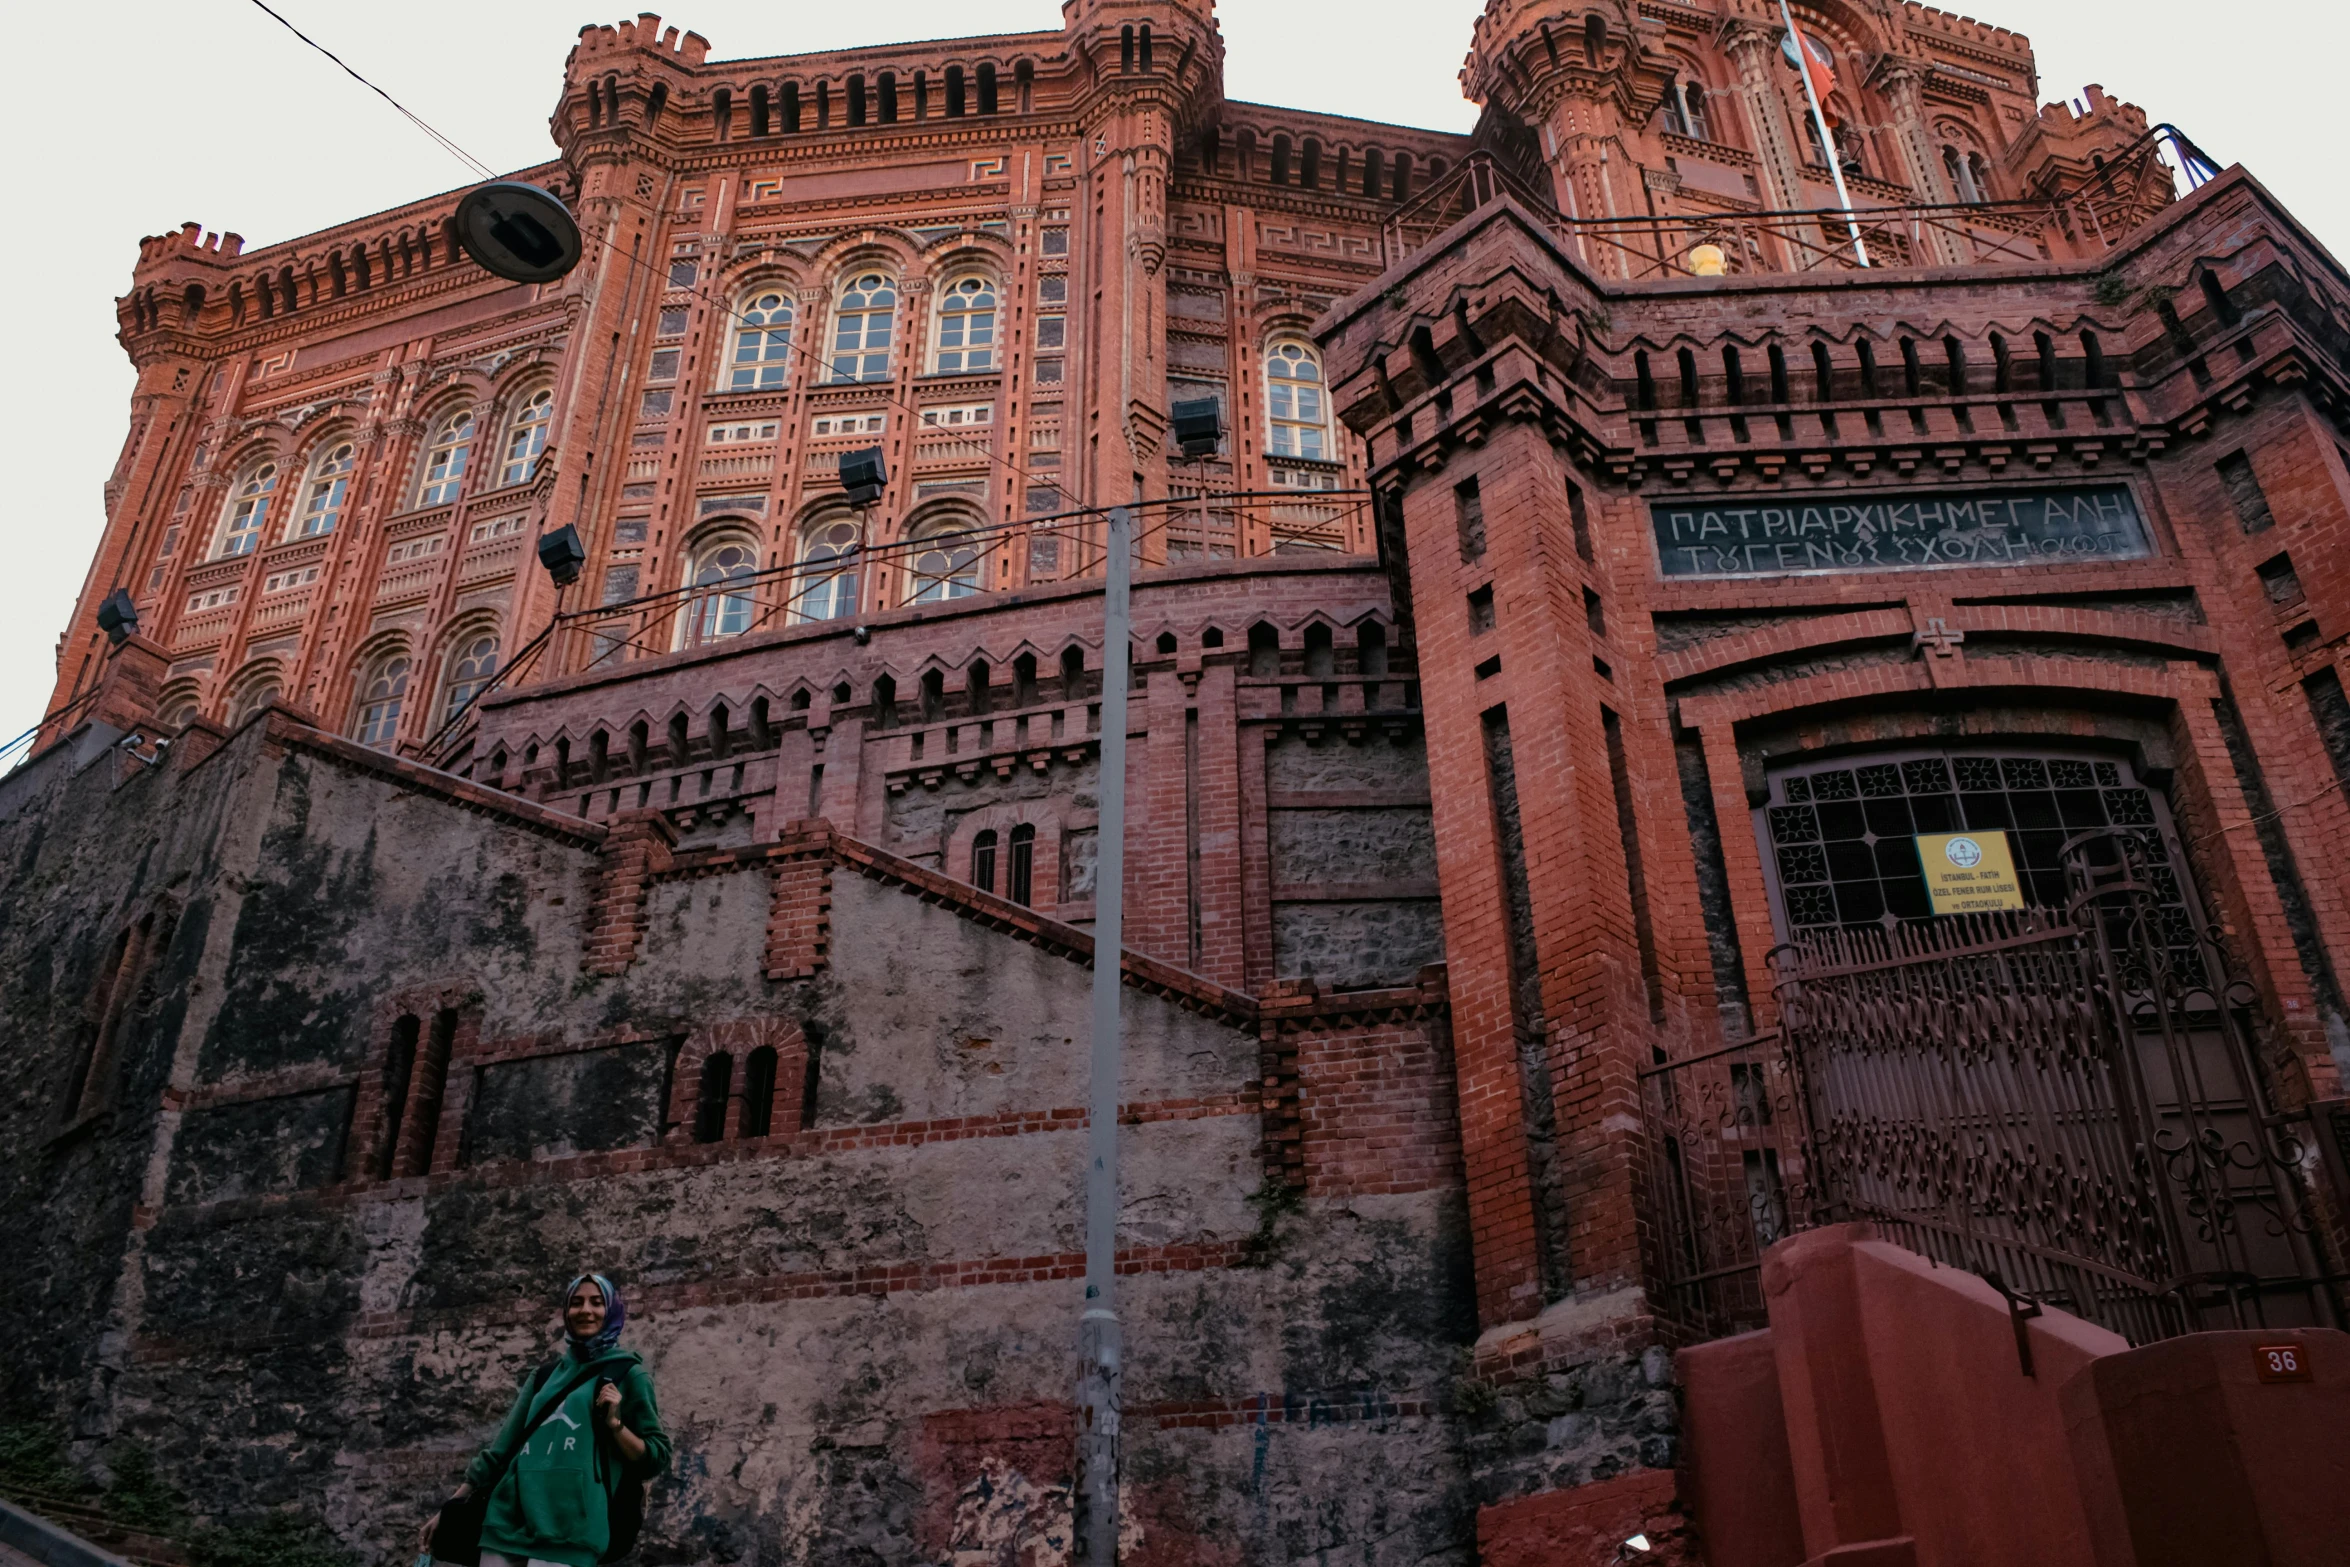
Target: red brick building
{"type": "Point", "coordinates": [1605, 599]}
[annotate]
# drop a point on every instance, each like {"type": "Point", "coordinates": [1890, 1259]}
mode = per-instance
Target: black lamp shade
{"type": "Point", "coordinates": [1198, 426]}
{"type": "Point", "coordinates": [517, 231]}
{"type": "Point", "coordinates": [118, 617]}
{"type": "Point", "coordinates": [562, 554]}
{"type": "Point", "coordinates": [863, 475]}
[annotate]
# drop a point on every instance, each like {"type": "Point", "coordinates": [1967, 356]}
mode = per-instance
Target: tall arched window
{"type": "Point", "coordinates": [469, 671]}
{"type": "Point", "coordinates": [1981, 173]}
{"type": "Point", "coordinates": [1962, 175]}
{"type": "Point", "coordinates": [445, 458]}
{"type": "Point", "coordinates": [966, 326]}
{"type": "Point", "coordinates": [861, 331]}
{"type": "Point", "coordinates": [1020, 871]}
{"type": "Point", "coordinates": [721, 609]}
{"type": "Point", "coordinates": [248, 510]}
{"type": "Point", "coordinates": [762, 343]}
{"type": "Point", "coordinates": [330, 484]}
{"type": "Point", "coordinates": [1294, 401]}
{"type": "Point", "coordinates": [983, 849]}
{"type": "Point", "coordinates": [380, 697]}
{"type": "Point", "coordinates": [526, 437]}
{"type": "Point", "coordinates": [945, 565]}
{"type": "Point", "coordinates": [827, 584]}
{"type": "Point", "coordinates": [1685, 109]}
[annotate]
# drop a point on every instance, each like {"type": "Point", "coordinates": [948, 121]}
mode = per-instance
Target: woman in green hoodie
{"type": "Point", "coordinates": [581, 1441]}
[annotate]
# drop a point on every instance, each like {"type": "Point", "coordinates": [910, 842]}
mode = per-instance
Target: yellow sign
{"type": "Point", "coordinates": [1969, 872]}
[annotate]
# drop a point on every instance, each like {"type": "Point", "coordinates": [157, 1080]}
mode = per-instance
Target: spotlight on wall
{"type": "Point", "coordinates": [517, 231]}
{"type": "Point", "coordinates": [864, 475]}
{"type": "Point", "coordinates": [562, 554]}
{"type": "Point", "coordinates": [1198, 426]}
{"type": "Point", "coordinates": [118, 617]}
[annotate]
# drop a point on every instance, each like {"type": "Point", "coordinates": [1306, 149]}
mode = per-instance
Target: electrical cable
{"type": "Point", "coordinates": [406, 113]}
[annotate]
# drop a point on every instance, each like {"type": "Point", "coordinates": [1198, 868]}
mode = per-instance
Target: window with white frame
{"type": "Point", "coordinates": [279, 581]}
{"type": "Point", "coordinates": [945, 564]}
{"type": "Point", "coordinates": [851, 424]}
{"type": "Point", "coordinates": [1294, 404]}
{"type": "Point", "coordinates": [470, 669]}
{"type": "Point", "coordinates": [966, 326]}
{"type": "Point", "coordinates": [826, 584]}
{"type": "Point", "coordinates": [861, 328]}
{"type": "Point", "coordinates": [380, 694]}
{"type": "Point", "coordinates": [415, 549]}
{"type": "Point", "coordinates": [248, 510]}
{"type": "Point", "coordinates": [329, 487]}
{"type": "Point", "coordinates": [445, 457]}
{"type": "Point", "coordinates": [495, 528]}
{"type": "Point", "coordinates": [252, 700]}
{"type": "Point", "coordinates": [526, 436]}
{"type": "Point", "coordinates": [722, 609]}
{"type": "Point", "coordinates": [739, 434]}
{"type": "Point", "coordinates": [958, 415]}
{"type": "Point", "coordinates": [762, 343]}
{"type": "Point", "coordinates": [200, 602]}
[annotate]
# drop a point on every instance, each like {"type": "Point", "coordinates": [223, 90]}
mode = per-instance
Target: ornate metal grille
{"type": "Point", "coordinates": [2065, 1098]}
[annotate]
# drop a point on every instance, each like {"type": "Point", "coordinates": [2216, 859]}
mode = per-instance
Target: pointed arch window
{"type": "Point", "coordinates": [762, 343]}
{"type": "Point", "coordinates": [526, 436]}
{"type": "Point", "coordinates": [722, 605]}
{"type": "Point", "coordinates": [862, 329]}
{"type": "Point", "coordinates": [329, 487]}
{"type": "Point", "coordinates": [381, 695]}
{"type": "Point", "coordinates": [1294, 401]}
{"type": "Point", "coordinates": [966, 326]}
{"type": "Point", "coordinates": [471, 670]}
{"type": "Point", "coordinates": [445, 458]}
{"type": "Point", "coordinates": [827, 585]}
{"type": "Point", "coordinates": [248, 510]}
{"type": "Point", "coordinates": [945, 565]}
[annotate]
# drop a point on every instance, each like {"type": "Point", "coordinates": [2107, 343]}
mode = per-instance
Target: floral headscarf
{"type": "Point", "coordinates": [615, 1316]}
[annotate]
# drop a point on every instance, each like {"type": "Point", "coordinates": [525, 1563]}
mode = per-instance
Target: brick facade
{"type": "Point", "coordinates": [763, 933]}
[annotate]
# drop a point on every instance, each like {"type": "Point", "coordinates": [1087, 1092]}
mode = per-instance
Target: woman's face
{"type": "Point", "coordinates": [584, 1315]}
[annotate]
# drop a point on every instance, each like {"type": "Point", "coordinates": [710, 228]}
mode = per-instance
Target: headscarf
{"type": "Point", "coordinates": [615, 1315]}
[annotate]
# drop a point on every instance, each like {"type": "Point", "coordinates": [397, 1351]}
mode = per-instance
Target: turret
{"type": "Point", "coordinates": [629, 77]}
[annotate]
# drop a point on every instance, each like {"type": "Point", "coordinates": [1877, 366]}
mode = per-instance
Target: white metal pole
{"type": "Point", "coordinates": [1819, 117]}
{"type": "Point", "coordinates": [1099, 1349]}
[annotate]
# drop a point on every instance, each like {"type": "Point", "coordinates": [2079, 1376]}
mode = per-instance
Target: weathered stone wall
{"type": "Point", "coordinates": [861, 1323]}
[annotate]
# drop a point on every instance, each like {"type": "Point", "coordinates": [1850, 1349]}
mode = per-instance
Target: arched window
{"type": "Point", "coordinates": [1981, 173]}
{"type": "Point", "coordinates": [476, 661]}
{"type": "Point", "coordinates": [762, 343]}
{"type": "Point", "coordinates": [252, 700]}
{"type": "Point", "coordinates": [1020, 872]}
{"type": "Point", "coordinates": [444, 460]}
{"type": "Point", "coordinates": [722, 610]}
{"type": "Point", "coordinates": [758, 1116]}
{"type": "Point", "coordinates": [1294, 402]}
{"type": "Point", "coordinates": [861, 331]}
{"type": "Point", "coordinates": [827, 584]}
{"type": "Point", "coordinates": [1962, 175]}
{"type": "Point", "coordinates": [983, 849]}
{"type": "Point", "coordinates": [710, 1103]}
{"type": "Point", "coordinates": [526, 437]}
{"type": "Point", "coordinates": [380, 696]}
{"type": "Point", "coordinates": [248, 510]}
{"type": "Point", "coordinates": [966, 326]}
{"type": "Point", "coordinates": [1685, 109]}
{"type": "Point", "coordinates": [945, 566]}
{"type": "Point", "coordinates": [330, 484]}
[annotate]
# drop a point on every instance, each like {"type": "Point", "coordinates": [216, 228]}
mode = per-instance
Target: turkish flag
{"type": "Point", "coordinates": [1819, 63]}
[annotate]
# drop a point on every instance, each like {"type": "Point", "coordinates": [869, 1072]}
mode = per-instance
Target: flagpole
{"type": "Point", "coordinates": [1819, 116]}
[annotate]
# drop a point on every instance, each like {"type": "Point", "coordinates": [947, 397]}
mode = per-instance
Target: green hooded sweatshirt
{"type": "Point", "coordinates": [555, 1499]}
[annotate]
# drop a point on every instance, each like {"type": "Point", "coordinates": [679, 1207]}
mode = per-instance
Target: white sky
{"type": "Point", "coordinates": [206, 109]}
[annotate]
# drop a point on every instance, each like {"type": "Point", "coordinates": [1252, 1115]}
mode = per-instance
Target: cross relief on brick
{"type": "Point", "coordinates": [1938, 639]}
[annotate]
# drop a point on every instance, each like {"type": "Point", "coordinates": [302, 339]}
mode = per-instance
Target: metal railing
{"type": "Point", "coordinates": [2085, 220]}
{"type": "Point", "coordinates": [2064, 1101]}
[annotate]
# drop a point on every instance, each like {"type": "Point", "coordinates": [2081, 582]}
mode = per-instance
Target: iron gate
{"type": "Point", "coordinates": [2066, 1100]}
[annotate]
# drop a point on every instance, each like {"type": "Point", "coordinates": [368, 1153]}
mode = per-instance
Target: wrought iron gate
{"type": "Point", "coordinates": [2066, 1100]}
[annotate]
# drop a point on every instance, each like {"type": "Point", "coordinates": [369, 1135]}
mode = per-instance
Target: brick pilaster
{"type": "Point", "coordinates": [637, 850]}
